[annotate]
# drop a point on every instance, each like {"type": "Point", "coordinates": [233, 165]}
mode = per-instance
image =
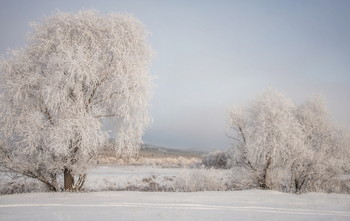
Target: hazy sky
{"type": "Point", "coordinates": [211, 55]}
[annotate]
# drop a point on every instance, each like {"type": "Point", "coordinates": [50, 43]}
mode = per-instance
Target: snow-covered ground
{"type": "Point", "coordinates": [136, 178]}
{"type": "Point", "coordinates": [133, 206]}
{"type": "Point", "coordinates": [111, 177]}
{"type": "Point", "coordinates": [164, 206]}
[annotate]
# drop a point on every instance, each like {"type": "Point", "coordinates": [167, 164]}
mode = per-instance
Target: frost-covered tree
{"type": "Point", "coordinates": [77, 70]}
{"type": "Point", "coordinates": [287, 147]}
{"type": "Point", "coordinates": [270, 134]}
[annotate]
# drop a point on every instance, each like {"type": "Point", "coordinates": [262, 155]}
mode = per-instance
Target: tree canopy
{"type": "Point", "coordinates": [76, 70]}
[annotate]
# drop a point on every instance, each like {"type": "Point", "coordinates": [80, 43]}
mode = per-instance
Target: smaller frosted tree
{"type": "Point", "coordinates": [77, 70]}
{"type": "Point", "coordinates": [270, 134]}
{"type": "Point", "coordinates": [287, 147]}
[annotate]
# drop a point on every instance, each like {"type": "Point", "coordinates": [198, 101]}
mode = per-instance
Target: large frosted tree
{"type": "Point", "coordinates": [77, 70]}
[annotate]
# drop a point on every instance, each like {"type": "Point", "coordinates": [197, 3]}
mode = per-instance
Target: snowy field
{"type": "Point", "coordinates": [146, 178]}
{"type": "Point", "coordinates": [164, 206]}
{"type": "Point", "coordinates": [133, 206]}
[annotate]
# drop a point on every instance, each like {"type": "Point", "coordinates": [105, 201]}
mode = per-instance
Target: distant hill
{"type": "Point", "coordinates": [154, 151]}
{"type": "Point", "coordinates": [149, 150]}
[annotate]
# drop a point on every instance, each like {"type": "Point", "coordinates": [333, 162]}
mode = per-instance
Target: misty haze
{"type": "Point", "coordinates": [164, 110]}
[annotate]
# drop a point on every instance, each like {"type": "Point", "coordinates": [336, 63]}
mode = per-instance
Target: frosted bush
{"type": "Point", "coordinates": [193, 180]}
{"type": "Point", "coordinates": [241, 178]}
{"type": "Point", "coordinates": [11, 183]}
{"type": "Point", "coordinates": [218, 159]}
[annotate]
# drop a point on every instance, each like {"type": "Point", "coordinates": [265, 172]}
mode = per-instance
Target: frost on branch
{"type": "Point", "coordinates": [76, 70]}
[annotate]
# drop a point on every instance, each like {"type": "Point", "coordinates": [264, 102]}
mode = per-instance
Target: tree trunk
{"type": "Point", "coordinates": [68, 180]}
{"type": "Point", "coordinates": [79, 184]}
{"type": "Point", "coordinates": [263, 181]}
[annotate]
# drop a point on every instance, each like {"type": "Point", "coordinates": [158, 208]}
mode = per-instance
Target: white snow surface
{"type": "Point", "coordinates": [133, 206]}
{"type": "Point", "coordinates": [112, 177]}
{"type": "Point", "coordinates": [101, 177]}
{"type": "Point", "coordinates": [164, 206]}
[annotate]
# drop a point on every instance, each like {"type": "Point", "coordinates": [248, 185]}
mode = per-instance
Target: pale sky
{"type": "Point", "coordinates": [212, 55]}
